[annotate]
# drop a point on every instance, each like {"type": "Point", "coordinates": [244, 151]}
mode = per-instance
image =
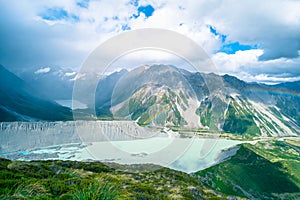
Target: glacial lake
{"type": "Point", "coordinates": [59, 140]}
{"type": "Point", "coordinates": [183, 154]}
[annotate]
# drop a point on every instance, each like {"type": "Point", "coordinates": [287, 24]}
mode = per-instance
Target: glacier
{"type": "Point", "coordinates": [18, 136]}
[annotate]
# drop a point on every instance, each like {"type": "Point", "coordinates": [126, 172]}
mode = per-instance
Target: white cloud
{"type": "Point", "coordinates": [232, 63]}
{"type": "Point", "coordinates": [267, 79]}
{"type": "Point", "coordinates": [247, 66]}
{"type": "Point", "coordinates": [43, 70]}
{"type": "Point", "coordinates": [273, 25]}
{"type": "Point", "coordinates": [147, 57]}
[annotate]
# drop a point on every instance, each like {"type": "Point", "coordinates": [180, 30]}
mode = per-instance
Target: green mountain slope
{"type": "Point", "coordinates": [270, 169]}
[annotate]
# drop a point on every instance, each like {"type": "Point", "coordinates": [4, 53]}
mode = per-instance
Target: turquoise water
{"type": "Point", "coordinates": [184, 154]}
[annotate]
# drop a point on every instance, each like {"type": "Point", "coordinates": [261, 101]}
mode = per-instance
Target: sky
{"type": "Point", "coordinates": [252, 39]}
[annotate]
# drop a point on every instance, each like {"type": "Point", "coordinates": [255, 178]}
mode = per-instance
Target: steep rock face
{"type": "Point", "coordinates": [28, 135]}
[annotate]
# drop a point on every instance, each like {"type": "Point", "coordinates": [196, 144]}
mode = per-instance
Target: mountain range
{"type": "Point", "coordinates": [162, 95]}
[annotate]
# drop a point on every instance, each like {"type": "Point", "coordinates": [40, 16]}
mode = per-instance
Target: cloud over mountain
{"type": "Point", "coordinates": [243, 38]}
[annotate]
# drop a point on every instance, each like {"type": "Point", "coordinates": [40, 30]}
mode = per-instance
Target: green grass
{"type": "Point", "coordinates": [95, 191]}
{"type": "Point", "coordinates": [94, 180]}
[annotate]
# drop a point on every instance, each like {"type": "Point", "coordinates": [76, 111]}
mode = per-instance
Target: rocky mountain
{"type": "Point", "coordinates": [161, 95]}
{"type": "Point", "coordinates": [19, 101]}
{"type": "Point", "coordinates": [158, 95]}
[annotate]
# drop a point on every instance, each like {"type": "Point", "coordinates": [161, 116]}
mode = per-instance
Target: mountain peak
{"type": "Point", "coordinates": [234, 82]}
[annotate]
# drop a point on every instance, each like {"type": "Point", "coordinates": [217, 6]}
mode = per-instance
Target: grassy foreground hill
{"type": "Point", "coordinates": [94, 180]}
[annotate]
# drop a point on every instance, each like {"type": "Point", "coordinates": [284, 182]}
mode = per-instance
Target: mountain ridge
{"type": "Point", "coordinates": [19, 101]}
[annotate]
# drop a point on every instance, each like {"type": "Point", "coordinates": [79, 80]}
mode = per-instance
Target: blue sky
{"type": "Point", "coordinates": [254, 40]}
{"type": "Point", "coordinates": [57, 14]}
{"type": "Point", "coordinates": [230, 47]}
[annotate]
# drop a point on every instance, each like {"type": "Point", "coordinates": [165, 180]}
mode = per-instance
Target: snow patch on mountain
{"type": "Point", "coordinates": [79, 76]}
{"type": "Point", "coordinates": [265, 119]}
{"type": "Point", "coordinates": [70, 73]}
{"type": "Point", "coordinates": [43, 70]}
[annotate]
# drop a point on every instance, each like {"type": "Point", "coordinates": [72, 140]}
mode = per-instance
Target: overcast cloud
{"type": "Point", "coordinates": [254, 40]}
